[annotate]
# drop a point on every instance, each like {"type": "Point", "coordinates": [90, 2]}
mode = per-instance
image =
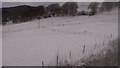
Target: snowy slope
{"type": "Point", "coordinates": [25, 44]}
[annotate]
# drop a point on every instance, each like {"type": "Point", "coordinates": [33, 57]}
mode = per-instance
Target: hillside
{"type": "Point", "coordinates": [25, 44]}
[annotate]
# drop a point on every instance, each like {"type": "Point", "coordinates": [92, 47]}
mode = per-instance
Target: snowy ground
{"type": "Point", "coordinates": [25, 44]}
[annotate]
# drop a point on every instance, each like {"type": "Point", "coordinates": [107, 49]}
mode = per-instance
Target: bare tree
{"type": "Point", "coordinates": [93, 6]}
{"type": "Point", "coordinates": [70, 8]}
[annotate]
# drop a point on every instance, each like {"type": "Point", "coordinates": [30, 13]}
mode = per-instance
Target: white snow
{"type": "Point", "coordinates": [26, 45]}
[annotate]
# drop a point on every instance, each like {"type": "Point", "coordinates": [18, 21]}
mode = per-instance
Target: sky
{"type": "Point", "coordinates": [11, 3]}
{"type": "Point", "coordinates": [48, 0]}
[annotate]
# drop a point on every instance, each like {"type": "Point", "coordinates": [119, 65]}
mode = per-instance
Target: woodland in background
{"type": "Point", "coordinates": [26, 13]}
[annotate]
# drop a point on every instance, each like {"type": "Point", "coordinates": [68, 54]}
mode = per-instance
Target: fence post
{"type": "Point", "coordinates": [42, 64]}
{"type": "Point", "coordinates": [70, 54]}
{"type": "Point", "coordinates": [38, 23]}
{"type": "Point", "coordinates": [105, 39]}
{"type": "Point", "coordinates": [111, 36]}
{"type": "Point", "coordinates": [57, 59]}
{"type": "Point", "coordinates": [95, 46]}
{"type": "Point", "coordinates": [84, 49]}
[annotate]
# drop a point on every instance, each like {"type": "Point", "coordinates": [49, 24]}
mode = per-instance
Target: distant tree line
{"type": "Point", "coordinates": [26, 13]}
{"type": "Point", "coordinates": [21, 13]}
{"type": "Point", "coordinates": [102, 7]}
{"type": "Point", "coordinates": [108, 6]}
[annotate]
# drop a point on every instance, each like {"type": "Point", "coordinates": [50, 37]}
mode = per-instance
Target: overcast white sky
{"type": "Point", "coordinates": [44, 2]}
{"type": "Point", "coordinates": [49, 0]}
{"type": "Point", "coordinates": [58, 0]}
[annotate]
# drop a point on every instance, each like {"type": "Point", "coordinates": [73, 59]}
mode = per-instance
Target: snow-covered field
{"type": "Point", "coordinates": [26, 45]}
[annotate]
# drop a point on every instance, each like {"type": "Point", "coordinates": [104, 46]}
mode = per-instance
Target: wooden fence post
{"type": "Point", "coordinates": [95, 46]}
{"type": "Point", "coordinates": [84, 49]}
{"type": "Point", "coordinates": [38, 23]}
{"type": "Point", "coordinates": [70, 54]}
{"type": "Point", "coordinates": [42, 64]}
{"type": "Point", "coordinates": [57, 59]}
